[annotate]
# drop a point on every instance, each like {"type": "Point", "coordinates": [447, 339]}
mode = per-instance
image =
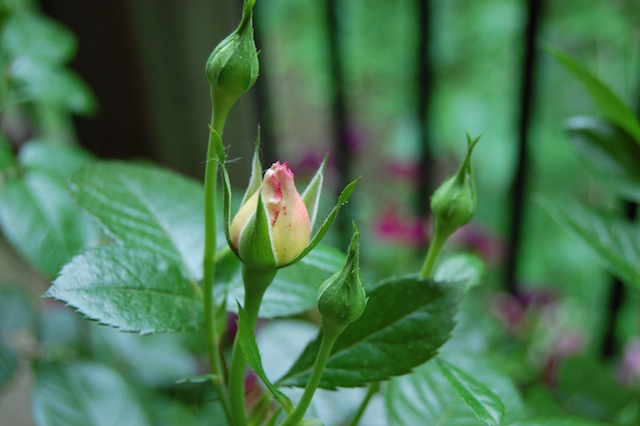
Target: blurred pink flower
{"type": "Point", "coordinates": [393, 227]}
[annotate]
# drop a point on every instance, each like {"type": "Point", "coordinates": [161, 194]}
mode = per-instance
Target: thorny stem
{"type": "Point", "coordinates": [213, 340]}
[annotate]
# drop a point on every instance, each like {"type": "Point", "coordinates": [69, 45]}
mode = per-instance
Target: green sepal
{"type": "Point", "coordinates": [251, 352]}
{"type": "Point", "coordinates": [311, 194]}
{"type": "Point", "coordinates": [324, 228]}
{"type": "Point", "coordinates": [607, 101]}
{"type": "Point", "coordinates": [254, 247]}
{"type": "Point", "coordinates": [256, 172]}
{"type": "Point", "coordinates": [221, 158]}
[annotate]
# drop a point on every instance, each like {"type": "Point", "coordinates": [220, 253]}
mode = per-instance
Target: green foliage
{"type": "Point", "coordinates": [615, 240]}
{"type": "Point", "coordinates": [17, 319]}
{"type": "Point", "coordinates": [610, 106]}
{"type": "Point", "coordinates": [252, 354]}
{"type": "Point", "coordinates": [609, 152]}
{"type": "Point", "coordinates": [36, 212]}
{"type": "Point", "coordinates": [406, 320]}
{"type": "Point", "coordinates": [82, 393]}
{"type": "Point", "coordinates": [484, 403]}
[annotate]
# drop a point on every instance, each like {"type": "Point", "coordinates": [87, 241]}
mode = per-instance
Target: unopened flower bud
{"type": "Point", "coordinates": [342, 298]}
{"type": "Point", "coordinates": [273, 226]}
{"type": "Point", "coordinates": [233, 66]}
{"type": "Point", "coordinates": [454, 202]}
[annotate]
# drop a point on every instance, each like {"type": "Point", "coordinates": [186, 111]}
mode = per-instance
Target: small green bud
{"type": "Point", "coordinates": [454, 202]}
{"type": "Point", "coordinates": [232, 68]}
{"type": "Point", "coordinates": [342, 299]}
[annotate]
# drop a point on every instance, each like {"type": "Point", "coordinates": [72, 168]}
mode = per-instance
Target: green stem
{"type": "Point", "coordinates": [435, 247]}
{"type": "Point", "coordinates": [209, 261]}
{"type": "Point", "coordinates": [256, 282]}
{"type": "Point", "coordinates": [373, 389]}
{"type": "Point", "coordinates": [329, 337]}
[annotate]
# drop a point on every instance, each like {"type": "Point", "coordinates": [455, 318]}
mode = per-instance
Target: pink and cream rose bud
{"type": "Point", "coordinates": [273, 226]}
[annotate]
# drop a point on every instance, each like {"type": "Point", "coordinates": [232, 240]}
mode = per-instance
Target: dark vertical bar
{"type": "Point", "coordinates": [269, 152]}
{"type": "Point", "coordinates": [616, 298]}
{"type": "Point", "coordinates": [519, 185]}
{"type": "Point", "coordinates": [342, 154]}
{"type": "Point", "coordinates": [424, 79]}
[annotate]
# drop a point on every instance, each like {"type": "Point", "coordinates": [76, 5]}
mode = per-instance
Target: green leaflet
{"type": "Point", "coordinates": [485, 404]}
{"type": "Point", "coordinates": [407, 319]}
{"type": "Point", "coordinates": [615, 240]}
{"type": "Point", "coordinates": [609, 104]}
{"type": "Point", "coordinates": [129, 288]}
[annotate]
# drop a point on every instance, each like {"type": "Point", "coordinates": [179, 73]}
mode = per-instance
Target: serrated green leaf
{"type": "Point", "coordinates": [609, 104]}
{"type": "Point", "coordinates": [8, 365]}
{"type": "Point", "coordinates": [615, 240]}
{"type": "Point", "coordinates": [129, 288]}
{"type": "Point", "coordinates": [61, 159]}
{"type": "Point", "coordinates": [83, 393]}
{"type": "Point", "coordinates": [406, 320]}
{"type": "Point", "coordinates": [485, 404]}
{"type": "Point", "coordinates": [252, 354]}
{"type": "Point", "coordinates": [42, 222]}
{"type": "Point", "coordinates": [608, 152]}
{"type": "Point", "coordinates": [148, 207]}
{"type": "Point", "coordinates": [295, 288]}
{"type": "Point", "coordinates": [425, 397]}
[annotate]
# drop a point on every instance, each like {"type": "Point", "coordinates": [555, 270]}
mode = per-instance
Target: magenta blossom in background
{"type": "Point", "coordinates": [489, 246]}
{"type": "Point", "coordinates": [393, 227]}
{"type": "Point", "coordinates": [629, 368]}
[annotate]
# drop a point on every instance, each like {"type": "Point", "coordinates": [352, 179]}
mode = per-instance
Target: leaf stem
{"type": "Point", "coordinates": [209, 265]}
{"type": "Point", "coordinates": [329, 337]}
{"type": "Point", "coordinates": [373, 389]}
{"type": "Point", "coordinates": [435, 247]}
{"type": "Point", "coordinates": [256, 282]}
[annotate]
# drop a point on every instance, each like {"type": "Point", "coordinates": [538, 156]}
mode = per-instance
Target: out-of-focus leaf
{"type": "Point", "coordinates": [157, 360]}
{"type": "Point", "coordinates": [129, 288]}
{"type": "Point", "coordinates": [8, 365]}
{"type": "Point", "coordinates": [465, 269]}
{"type": "Point", "coordinates": [597, 395]}
{"type": "Point", "coordinates": [609, 153]}
{"type": "Point", "coordinates": [55, 86]}
{"type": "Point", "coordinates": [614, 240]}
{"type": "Point", "coordinates": [558, 421]}
{"type": "Point", "coordinates": [35, 36]}
{"type": "Point", "coordinates": [40, 219]}
{"type": "Point", "coordinates": [61, 159]}
{"type": "Point", "coordinates": [16, 313]}
{"type": "Point", "coordinates": [83, 393]}
{"type": "Point", "coordinates": [609, 104]}
{"type": "Point", "coordinates": [148, 207]}
{"type": "Point", "coordinates": [7, 158]}
{"type": "Point", "coordinates": [295, 288]}
{"type": "Point", "coordinates": [406, 320]}
{"type": "Point", "coordinates": [486, 405]}
{"type": "Point", "coordinates": [425, 397]}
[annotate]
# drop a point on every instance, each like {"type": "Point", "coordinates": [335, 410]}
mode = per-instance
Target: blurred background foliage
{"type": "Point", "coordinates": [144, 62]}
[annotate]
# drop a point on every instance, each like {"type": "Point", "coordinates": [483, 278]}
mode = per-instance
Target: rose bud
{"type": "Point", "coordinates": [273, 226]}
{"type": "Point", "coordinates": [454, 202]}
{"type": "Point", "coordinates": [232, 69]}
{"type": "Point", "coordinates": [342, 299]}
